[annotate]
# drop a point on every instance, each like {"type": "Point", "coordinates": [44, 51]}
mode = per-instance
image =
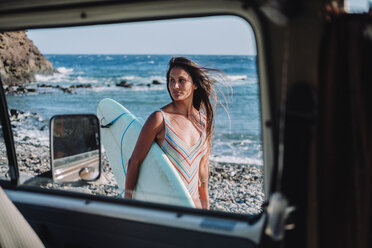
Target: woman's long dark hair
{"type": "Point", "coordinates": [205, 91]}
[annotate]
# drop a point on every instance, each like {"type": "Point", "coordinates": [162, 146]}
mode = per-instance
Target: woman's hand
{"type": "Point", "coordinates": [128, 194]}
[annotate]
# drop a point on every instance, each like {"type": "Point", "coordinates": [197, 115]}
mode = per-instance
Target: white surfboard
{"type": "Point", "coordinates": [158, 180]}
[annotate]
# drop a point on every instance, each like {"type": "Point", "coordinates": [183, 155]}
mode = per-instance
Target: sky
{"type": "Point", "coordinates": [228, 35]}
{"type": "Point", "coordinates": [357, 5]}
{"type": "Point", "coordinates": [208, 35]}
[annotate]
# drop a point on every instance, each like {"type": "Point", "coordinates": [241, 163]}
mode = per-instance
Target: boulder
{"type": "Point", "coordinates": [75, 86]}
{"type": "Point", "coordinates": [66, 90]}
{"type": "Point", "coordinates": [156, 82]}
{"type": "Point", "coordinates": [124, 84]}
{"type": "Point", "coordinates": [20, 59]}
{"type": "Point", "coordinates": [14, 112]}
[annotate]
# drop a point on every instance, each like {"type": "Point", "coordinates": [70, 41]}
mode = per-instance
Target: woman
{"type": "Point", "coordinates": [181, 130]}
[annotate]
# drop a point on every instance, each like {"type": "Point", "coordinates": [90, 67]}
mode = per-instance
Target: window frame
{"type": "Point", "coordinates": [63, 13]}
{"type": "Point", "coordinates": [8, 140]}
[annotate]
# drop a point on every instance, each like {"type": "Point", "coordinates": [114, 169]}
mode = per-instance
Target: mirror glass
{"type": "Point", "coordinates": [75, 148]}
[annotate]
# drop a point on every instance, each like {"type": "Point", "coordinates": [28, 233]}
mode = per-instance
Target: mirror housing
{"type": "Point", "coordinates": [75, 148]}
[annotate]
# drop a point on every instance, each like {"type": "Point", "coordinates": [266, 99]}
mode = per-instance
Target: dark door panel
{"type": "Point", "coordinates": [68, 221]}
{"type": "Point", "coordinates": [66, 228]}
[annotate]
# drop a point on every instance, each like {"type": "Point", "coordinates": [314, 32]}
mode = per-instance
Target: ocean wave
{"type": "Point", "coordinates": [146, 88]}
{"type": "Point", "coordinates": [131, 78]}
{"type": "Point", "coordinates": [238, 80]}
{"type": "Point", "coordinates": [237, 77]}
{"type": "Point", "coordinates": [65, 70]}
{"type": "Point", "coordinates": [47, 78]}
{"type": "Point", "coordinates": [61, 75]}
{"type": "Point", "coordinates": [134, 88]}
{"type": "Point", "coordinates": [85, 80]}
{"type": "Point", "coordinates": [30, 127]}
{"type": "Point", "coordinates": [234, 140]}
{"type": "Point", "coordinates": [65, 79]}
{"type": "Point", "coordinates": [33, 136]}
{"type": "Point", "coordinates": [236, 149]}
{"type": "Point", "coordinates": [236, 160]}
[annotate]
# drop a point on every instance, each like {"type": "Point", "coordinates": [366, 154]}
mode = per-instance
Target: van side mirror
{"type": "Point", "coordinates": [75, 148]}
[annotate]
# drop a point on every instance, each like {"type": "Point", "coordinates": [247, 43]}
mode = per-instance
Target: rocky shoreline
{"type": "Point", "coordinates": [232, 187]}
{"type": "Point", "coordinates": [41, 88]}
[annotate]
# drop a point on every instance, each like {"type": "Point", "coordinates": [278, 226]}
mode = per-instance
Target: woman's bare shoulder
{"type": "Point", "coordinates": [155, 119]}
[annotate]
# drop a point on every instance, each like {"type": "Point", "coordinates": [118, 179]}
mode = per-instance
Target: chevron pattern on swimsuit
{"type": "Point", "coordinates": [185, 158]}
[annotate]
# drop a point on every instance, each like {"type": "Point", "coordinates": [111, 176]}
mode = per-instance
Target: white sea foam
{"type": "Point", "coordinates": [62, 74]}
{"type": "Point", "coordinates": [65, 78]}
{"type": "Point", "coordinates": [233, 143]}
{"type": "Point", "coordinates": [134, 88]}
{"type": "Point", "coordinates": [65, 70]}
{"type": "Point", "coordinates": [33, 136]}
{"type": "Point", "coordinates": [30, 128]}
{"type": "Point", "coordinates": [236, 80]}
{"type": "Point", "coordinates": [236, 160]}
{"type": "Point", "coordinates": [237, 77]}
{"type": "Point", "coordinates": [85, 80]}
{"type": "Point", "coordinates": [44, 78]}
{"type": "Point", "coordinates": [151, 88]}
{"type": "Point", "coordinates": [236, 150]}
{"type": "Point", "coordinates": [128, 78]}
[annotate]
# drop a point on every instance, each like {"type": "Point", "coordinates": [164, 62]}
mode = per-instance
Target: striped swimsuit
{"type": "Point", "coordinates": [185, 158]}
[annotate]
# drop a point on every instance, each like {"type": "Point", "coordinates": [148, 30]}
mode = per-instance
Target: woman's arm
{"type": "Point", "coordinates": [203, 182]}
{"type": "Point", "coordinates": [151, 128]}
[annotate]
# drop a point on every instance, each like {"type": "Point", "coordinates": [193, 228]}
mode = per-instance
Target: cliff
{"type": "Point", "coordinates": [20, 59]}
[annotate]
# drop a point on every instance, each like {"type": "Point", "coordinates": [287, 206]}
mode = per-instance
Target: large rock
{"type": "Point", "coordinates": [20, 60]}
{"type": "Point", "coordinates": [124, 84]}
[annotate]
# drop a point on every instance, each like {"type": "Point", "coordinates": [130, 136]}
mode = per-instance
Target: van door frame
{"type": "Point", "coordinates": [8, 140]}
{"type": "Point", "coordinates": [87, 13]}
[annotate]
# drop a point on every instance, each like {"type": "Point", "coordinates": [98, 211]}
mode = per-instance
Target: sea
{"type": "Point", "coordinates": [237, 134]}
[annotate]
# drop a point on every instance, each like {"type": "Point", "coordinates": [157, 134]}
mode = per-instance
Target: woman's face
{"type": "Point", "coordinates": [181, 86]}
